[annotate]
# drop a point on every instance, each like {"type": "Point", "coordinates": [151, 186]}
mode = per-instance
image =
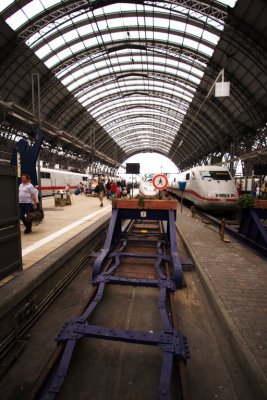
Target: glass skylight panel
{"type": "Point", "coordinates": [34, 39]}
{"type": "Point", "coordinates": [88, 69]}
{"type": "Point", "coordinates": [77, 83]}
{"type": "Point", "coordinates": [210, 37]}
{"type": "Point", "coordinates": [193, 30]}
{"type": "Point", "coordinates": [17, 19]}
{"type": "Point", "coordinates": [33, 8]}
{"type": "Point", "coordinates": [5, 3]}
{"type": "Point", "coordinates": [146, 126]}
{"type": "Point", "coordinates": [84, 30]}
{"type": "Point", "coordinates": [121, 92]}
{"type": "Point", "coordinates": [133, 122]}
{"type": "Point", "coordinates": [81, 16]}
{"type": "Point", "coordinates": [215, 24]}
{"type": "Point", "coordinates": [155, 108]}
{"type": "Point", "coordinates": [72, 67]}
{"type": "Point", "coordinates": [146, 138]}
{"type": "Point", "coordinates": [135, 116]}
{"type": "Point", "coordinates": [52, 61]}
{"type": "Point", "coordinates": [230, 3]}
{"type": "Point", "coordinates": [57, 42]}
{"type": "Point", "coordinates": [67, 80]}
{"type": "Point", "coordinates": [75, 48]}
{"type": "Point", "coordinates": [50, 3]}
{"type": "Point", "coordinates": [205, 49]}
{"type": "Point", "coordinates": [90, 42]}
{"type": "Point", "coordinates": [136, 85]}
{"type": "Point", "coordinates": [64, 54]}
{"type": "Point", "coordinates": [43, 51]}
{"type": "Point", "coordinates": [134, 101]}
{"type": "Point", "coordinates": [27, 12]}
{"type": "Point", "coordinates": [71, 35]}
{"type": "Point", "coordinates": [48, 30]}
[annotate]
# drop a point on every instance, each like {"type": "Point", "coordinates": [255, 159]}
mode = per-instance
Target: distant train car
{"type": "Point", "coordinates": [146, 187]}
{"type": "Point", "coordinates": [53, 180]}
{"type": "Point", "coordinates": [207, 187]}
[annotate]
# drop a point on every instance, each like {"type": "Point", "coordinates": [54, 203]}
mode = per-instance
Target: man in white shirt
{"type": "Point", "coordinates": [27, 201]}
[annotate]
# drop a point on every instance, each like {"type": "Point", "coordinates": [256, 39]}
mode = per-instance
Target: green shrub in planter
{"type": "Point", "coordinates": [246, 201]}
{"type": "Point", "coordinates": [141, 200]}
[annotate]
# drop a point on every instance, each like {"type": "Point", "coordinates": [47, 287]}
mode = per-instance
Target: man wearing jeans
{"type": "Point", "coordinates": [27, 201]}
{"type": "Point", "coordinates": [101, 190]}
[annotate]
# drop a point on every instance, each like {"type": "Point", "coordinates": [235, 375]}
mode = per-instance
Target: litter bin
{"type": "Point", "coordinates": [59, 201]}
{"type": "Point", "coordinates": [62, 199]}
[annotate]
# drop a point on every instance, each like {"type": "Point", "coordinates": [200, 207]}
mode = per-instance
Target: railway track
{"type": "Point", "coordinates": [141, 318]}
{"type": "Point", "coordinates": [230, 226]}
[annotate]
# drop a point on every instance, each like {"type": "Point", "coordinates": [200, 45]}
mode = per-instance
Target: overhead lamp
{"type": "Point", "coordinates": [222, 89]}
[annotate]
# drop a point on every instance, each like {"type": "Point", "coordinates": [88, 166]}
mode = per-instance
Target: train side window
{"type": "Point", "coordinates": [45, 175]}
{"type": "Point", "coordinates": [205, 175]}
{"type": "Point", "coordinates": [187, 176]}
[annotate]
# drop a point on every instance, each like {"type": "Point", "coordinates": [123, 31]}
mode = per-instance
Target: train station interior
{"type": "Point", "coordinates": [84, 86]}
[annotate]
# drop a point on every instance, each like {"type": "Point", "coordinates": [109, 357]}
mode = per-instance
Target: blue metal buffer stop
{"type": "Point", "coordinates": [171, 341]}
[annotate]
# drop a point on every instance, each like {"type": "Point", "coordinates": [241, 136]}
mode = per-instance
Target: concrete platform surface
{"type": "Point", "coordinates": [59, 225]}
{"type": "Point", "coordinates": [235, 279]}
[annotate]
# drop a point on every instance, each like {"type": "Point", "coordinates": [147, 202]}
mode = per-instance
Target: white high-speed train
{"type": "Point", "coordinates": [53, 180]}
{"type": "Point", "coordinates": [207, 187]}
{"type": "Point", "coordinates": [146, 187]}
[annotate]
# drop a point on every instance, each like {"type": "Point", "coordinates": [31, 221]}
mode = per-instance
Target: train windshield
{"type": "Point", "coordinates": [215, 175]}
{"type": "Point", "coordinates": [148, 178]}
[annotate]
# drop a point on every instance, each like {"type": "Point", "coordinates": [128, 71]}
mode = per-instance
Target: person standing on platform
{"type": "Point", "coordinates": [118, 189]}
{"type": "Point", "coordinates": [108, 188]}
{"type": "Point", "coordinates": [101, 190]}
{"type": "Point", "coordinates": [113, 189]}
{"type": "Point", "coordinates": [27, 201]}
{"type": "Point", "coordinates": [67, 188]}
{"type": "Point", "coordinates": [68, 193]}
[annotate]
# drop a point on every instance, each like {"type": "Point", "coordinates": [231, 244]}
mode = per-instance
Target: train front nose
{"type": "Point", "coordinates": [220, 201]}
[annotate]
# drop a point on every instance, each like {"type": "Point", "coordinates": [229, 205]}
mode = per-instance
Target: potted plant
{"type": "Point", "coordinates": [261, 201]}
{"type": "Point", "coordinates": [141, 200]}
{"type": "Point", "coordinates": [246, 201]}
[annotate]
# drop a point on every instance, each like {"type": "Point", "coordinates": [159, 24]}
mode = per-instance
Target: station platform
{"type": "Point", "coordinates": [235, 280]}
{"type": "Point", "coordinates": [60, 224]}
{"type": "Point", "coordinates": [234, 277]}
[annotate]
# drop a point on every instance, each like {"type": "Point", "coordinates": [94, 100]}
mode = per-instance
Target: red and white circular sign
{"type": "Point", "coordinates": [160, 181]}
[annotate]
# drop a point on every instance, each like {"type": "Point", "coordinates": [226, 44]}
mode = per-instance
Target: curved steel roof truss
{"type": "Point", "coordinates": [137, 75]}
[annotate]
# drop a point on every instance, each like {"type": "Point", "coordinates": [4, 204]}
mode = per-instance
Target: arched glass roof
{"type": "Point", "coordinates": [134, 67]}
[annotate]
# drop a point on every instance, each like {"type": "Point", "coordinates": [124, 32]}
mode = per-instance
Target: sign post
{"type": "Point", "coordinates": [160, 181]}
{"type": "Point", "coordinates": [181, 187]}
{"type": "Point", "coordinates": [132, 168]}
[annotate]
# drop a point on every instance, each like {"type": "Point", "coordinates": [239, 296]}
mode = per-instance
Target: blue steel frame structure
{"type": "Point", "coordinates": [170, 340]}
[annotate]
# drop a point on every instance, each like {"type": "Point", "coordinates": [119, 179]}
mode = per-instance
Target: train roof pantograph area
{"type": "Point", "coordinates": [106, 80]}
